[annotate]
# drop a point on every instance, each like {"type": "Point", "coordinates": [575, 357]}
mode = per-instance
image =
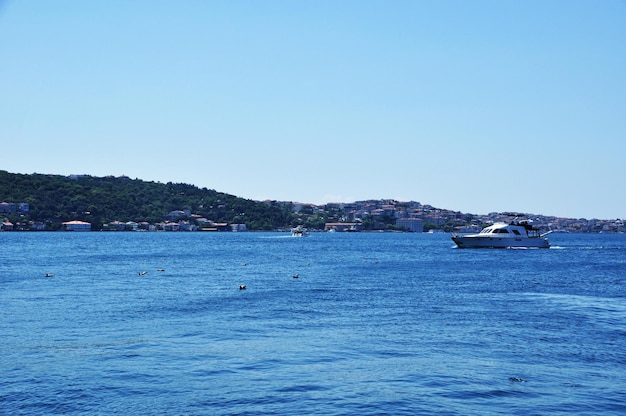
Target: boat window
{"type": "Point", "coordinates": [503, 231]}
{"type": "Point", "coordinates": [516, 232]}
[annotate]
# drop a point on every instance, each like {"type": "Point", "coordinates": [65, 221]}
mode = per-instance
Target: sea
{"type": "Point", "coordinates": [159, 323]}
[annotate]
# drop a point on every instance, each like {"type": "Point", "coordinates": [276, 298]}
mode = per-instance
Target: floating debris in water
{"type": "Point", "coordinates": [517, 380]}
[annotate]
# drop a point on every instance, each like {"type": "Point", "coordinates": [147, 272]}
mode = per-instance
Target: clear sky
{"type": "Point", "coordinates": [475, 106]}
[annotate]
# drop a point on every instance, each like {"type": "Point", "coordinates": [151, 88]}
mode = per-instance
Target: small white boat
{"type": "Point", "coordinates": [517, 233]}
{"type": "Point", "coordinates": [299, 231]}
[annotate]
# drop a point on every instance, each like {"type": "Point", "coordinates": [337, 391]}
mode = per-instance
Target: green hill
{"type": "Point", "coordinates": [100, 200]}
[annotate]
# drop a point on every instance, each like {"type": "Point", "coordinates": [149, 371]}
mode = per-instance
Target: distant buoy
{"type": "Point", "coordinates": [242, 287]}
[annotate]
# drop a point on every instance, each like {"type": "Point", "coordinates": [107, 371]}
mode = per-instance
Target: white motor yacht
{"type": "Point", "coordinates": [517, 233]}
{"type": "Point", "coordinates": [299, 231]}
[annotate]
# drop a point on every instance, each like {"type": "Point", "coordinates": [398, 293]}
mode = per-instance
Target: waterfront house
{"type": "Point", "coordinates": [342, 226]}
{"type": "Point", "coordinates": [238, 227]}
{"type": "Point", "coordinates": [171, 226]}
{"type": "Point", "coordinates": [76, 226]}
{"type": "Point", "coordinates": [6, 226]}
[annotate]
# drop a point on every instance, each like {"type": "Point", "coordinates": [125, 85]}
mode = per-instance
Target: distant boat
{"type": "Point", "coordinates": [517, 233]}
{"type": "Point", "coordinates": [299, 231]}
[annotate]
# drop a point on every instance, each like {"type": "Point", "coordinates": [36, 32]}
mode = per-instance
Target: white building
{"type": "Point", "coordinates": [238, 227]}
{"type": "Point", "coordinates": [76, 226]}
{"type": "Point", "coordinates": [412, 224]}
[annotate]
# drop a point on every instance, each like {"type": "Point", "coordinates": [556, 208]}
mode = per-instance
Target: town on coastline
{"type": "Point", "coordinates": [370, 215]}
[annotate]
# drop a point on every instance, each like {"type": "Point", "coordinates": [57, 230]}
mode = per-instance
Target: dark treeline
{"type": "Point", "coordinates": [99, 200]}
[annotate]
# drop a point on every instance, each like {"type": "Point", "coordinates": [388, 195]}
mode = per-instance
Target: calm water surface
{"type": "Point", "coordinates": [374, 324]}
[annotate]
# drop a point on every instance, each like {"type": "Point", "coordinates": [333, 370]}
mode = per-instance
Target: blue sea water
{"type": "Point", "coordinates": [376, 323]}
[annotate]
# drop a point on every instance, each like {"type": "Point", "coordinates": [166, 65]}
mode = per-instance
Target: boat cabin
{"type": "Point", "coordinates": [493, 230]}
{"type": "Point", "coordinates": [521, 228]}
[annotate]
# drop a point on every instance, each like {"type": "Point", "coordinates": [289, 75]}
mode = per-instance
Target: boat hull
{"type": "Point", "coordinates": [478, 241]}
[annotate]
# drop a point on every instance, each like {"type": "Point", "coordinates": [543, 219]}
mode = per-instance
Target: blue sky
{"type": "Point", "coordinates": [476, 106]}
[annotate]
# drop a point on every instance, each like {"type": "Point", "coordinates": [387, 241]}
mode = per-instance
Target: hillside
{"type": "Point", "coordinates": [99, 200]}
{"type": "Point", "coordinates": [35, 202]}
